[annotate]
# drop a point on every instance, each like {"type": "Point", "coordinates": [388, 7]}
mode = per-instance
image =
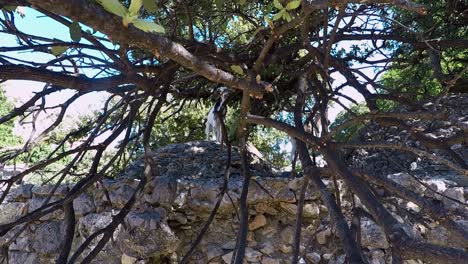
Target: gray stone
{"type": "Point", "coordinates": [438, 185]}
{"type": "Point", "coordinates": [84, 205]}
{"type": "Point", "coordinates": [295, 184]}
{"type": "Point", "coordinates": [311, 210]}
{"type": "Point", "coordinates": [38, 201]}
{"type": "Point", "coordinates": [456, 193]}
{"type": "Point", "coordinates": [372, 236]}
{"type": "Point", "coordinates": [258, 222]}
{"type": "Point", "coordinates": [289, 208]}
{"type": "Point", "coordinates": [146, 234]}
{"type": "Point", "coordinates": [264, 208]}
{"type": "Point", "coordinates": [441, 236]}
{"type": "Point", "coordinates": [407, 181]}
{"type": "Point", "coordinates": [322, 236]}
{"type": "Point", "coordinates": [286, 195]}
{"type": "Point", "coordinates": [287, 235]}
{"type": "Point", "coordinates": [313, 257]}
{"type": "Point", "coordinates": [267, 248]}
{"type": "Point", "coordinates": [93, 222]}
{"type": "Point", "coordinates": [227, 257]}
{"type": "Point", "coordinates": [128, 259]}
{"type": "Point", "coordinates": [20, 257]}
{"type": "Point", "coordinates": [12, 211]}
{"type": "Point", "coordinates": [120, 194]}
{"type": "Point", "coordinates": [213, 251]}
{"type": "Point", "coordinates": [286, 249]}
{"type": "Point", "coordinates": [229, 245]}
{"type": "Point", "coordinates": [339, 260]}
{"type": "Point", "coordinates": [162, 190]}
{"type": "Point", "coordinates": [268, 260]}
{"type": "Point", "coordinates": [20, 194]}
{"type": "Point", "coordinates": [252, 255]}
{"type": "Point", "coordinates": [23, 242]}
{"type": "Point", "coordinates": [48, 238]}
{"type": "Point", "coordinates": [180, 217]}
{"type": "Point", "coordinates": [45, 190]}
{"type": "Point", "coordinates": [377, 256]}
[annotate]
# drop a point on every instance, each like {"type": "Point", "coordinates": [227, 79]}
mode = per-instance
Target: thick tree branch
{"type": "Point", "coordinates": [95, 16]}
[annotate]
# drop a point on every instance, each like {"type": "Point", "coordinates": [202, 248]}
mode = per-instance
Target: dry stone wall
{"type": "Point", "coordinates": [175, 205]}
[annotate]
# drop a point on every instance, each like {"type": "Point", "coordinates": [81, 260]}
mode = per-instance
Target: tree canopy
{"type": "Point", "coordinates": [287, 62]}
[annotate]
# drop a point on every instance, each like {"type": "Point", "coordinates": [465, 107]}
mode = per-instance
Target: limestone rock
{"type": "Point", "coordinates": [48, 238]}
{"type": "Point", "coordinates": [407, 181]}
{"type": "Point", "coordinates": [286, 195]}
{"type": "Point", "coordinates": [287, 235]}
{"type": "Point", "coordinates": [20, 194]}
{"type": "Point", "coordinates": [119, 194]}
{"type": "Point", "coordinates": [229, 245]}
{"type": "Point", "coordinates": [373, 235]}
{"type": "Point", "coordinates": [128, 259]}
{"type": "Point", "coordinates": [84, 205]}
{"type": "Point", "coordinates": [267, 248]}
{"type": "Point", "coordinates": [286, 249]}
{"type": "Point", "coordinates": [227, 257]}
{"type": "Point", "coordinates": [258, 222]}
{"type": "Point", "coordinates": [289, 208]}
{"type": "Point", "coordinates": [45, 190]}
{"type": "Point", "coordinates": [311, 210]}
{"type": "Point", "coordinates": [162, 190]}
{"type": "Point", "coordinates": [313, 257]}
{"type": "Point", "coordinates": [322, 236]}
{"type": "Point", "coordinates": [146, 234]}
{"type": "Point", "coordinates": [11, 211]}
{"type": "Point", "coordinates": [264, 208]}
{"type": "Point", "coordinates": [252, 255]}
{"type": "Point", "coordinates": [19, 257]}
{"type": "Point", "coordinates": [93, 222]}
{"type": "Point", "coordinates": [377, 256]}
{"type": "Point", "coordinates": [213, 251]}
{"type": "Point", "coordinates": [268, 260]}
{"type": "Point", "coordinates": [456, 193]}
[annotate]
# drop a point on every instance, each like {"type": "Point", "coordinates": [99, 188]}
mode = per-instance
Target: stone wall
{"type": "Point", "coordinates": [175, 205]}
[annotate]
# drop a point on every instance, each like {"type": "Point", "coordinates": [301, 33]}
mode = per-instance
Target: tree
{"type": "Point", "coordinates": [7, 137]}
{"type": "Point", "coordinates": [278, 57]}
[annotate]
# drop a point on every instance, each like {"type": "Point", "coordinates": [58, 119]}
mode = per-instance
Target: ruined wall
{"type": "Point", "coordinates": [175, 205]}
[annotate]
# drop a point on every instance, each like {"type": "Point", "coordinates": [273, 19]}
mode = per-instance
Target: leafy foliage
{"type": "Point", "coordinates": [7, 136]}
{"type": "Point", "coordinates": [347, 134]}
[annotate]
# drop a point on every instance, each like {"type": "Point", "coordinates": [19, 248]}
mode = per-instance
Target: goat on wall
{"type": "Point", "coordinates": [213, 123]}
{"type": "Point", "coordinates": [317, 124]}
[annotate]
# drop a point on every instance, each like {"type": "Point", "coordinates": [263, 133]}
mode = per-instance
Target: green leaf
{"type": "Point", "coordinates": [129, 18]}
{"type": "Point", "coordinates": [150, 6]}
{"type": "Point", "coordinates": [237, 69]}
{"type": "Point", "coordinates": [10, 7]}
{"type": "Point", "coordinates": [219, 3]}
{"type": "Point", "coordinates": [241, 2]}
{"type": "Point", "coordinates": [279, 15]}
{"type": "Point", "coordinates": [287, 16]}
{"type": "Point", "coordinates": [148, 26]}
{"type": "Point", "coordinates": [75, 31]}
{"type": "Point", "coordinates": [277, 4]}
{"type": "Point", "coordinates": [302, 52]}
{"type": "Point", "coordinates": [135, 7]}
{"type": "Point", "coordinates": [114, 7]}
{"type": "Point", "coordinates": [57, 50]}
{"type": "Point", "coordinates": [293, 4]}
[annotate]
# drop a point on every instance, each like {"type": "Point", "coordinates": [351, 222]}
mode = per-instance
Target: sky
{"type": "Point", "coordinates": [38, 24]}
{"type": "Point", "coordinates": [19, 91]}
